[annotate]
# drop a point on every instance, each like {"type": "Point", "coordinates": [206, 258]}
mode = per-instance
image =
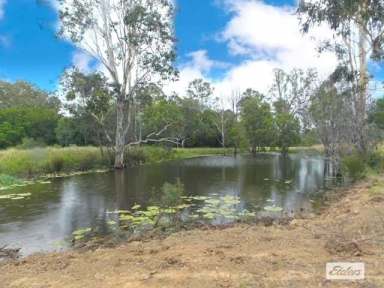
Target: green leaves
{"type": "Point", "coordinates": [257, 119]}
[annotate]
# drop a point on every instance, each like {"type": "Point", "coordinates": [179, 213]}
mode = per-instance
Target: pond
{"type": "Point", "coordinates": [49, 213]}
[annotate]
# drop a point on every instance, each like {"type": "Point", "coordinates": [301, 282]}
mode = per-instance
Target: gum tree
{"type": "Point", "coordinates": [133, 40]}
{"type": "Point", "coordinates": [359, 27]}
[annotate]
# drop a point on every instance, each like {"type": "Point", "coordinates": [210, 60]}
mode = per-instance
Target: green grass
{"type": "Point", "coordinates": [315, 149]}
{"type": "Point", "coordinates": [31, 163]}
{"type": "Point", "coordinates": [183, 153]}
{"type": "Point", "coordinates": [43, 161]}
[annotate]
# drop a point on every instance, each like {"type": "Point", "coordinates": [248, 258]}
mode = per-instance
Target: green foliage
{"type": "Point", "coordinates": [37, 123]}
{"type": "Point", "coordinates": [165, 115]}
{"type": "Point", "coordinates": [343, 16]}
{"type": "Point", "coordinates": [257, 119]}
{"type": "Point", "coordinates": [200, 90]}
{"type": "Point", "coordinates": [172, 194]}
{"type": "Point", "coordinates": [148, 154]}
{"type": "Point", "coordinates": [183, 153]}
{"type": "Point", "coordinates": [354, 166]}
{"type": "Point", "coordinates": [66, 131]}
{"type": "Point", "coordinates": [53, 160]}
{"type": "Point", "coordinates": [10, 135]}
{"type": "Point", "coordinates": [237, 136]}
{"type": "Point", "coordinates": [7, 180]}
{"type": "Point", "coordinates": [91, 89]}
{"type": "Point", "coordinates": [287, 127]}
{"type": "Point", "coordinates": [41, 161]}
{"type": "Point", "coordinates": [29, 143]}
{"type": "Point", "coordinates": [309, 138]}
{"type": "Point", "coordinates": [376, 114]}
{"type": "Point", "coordinates": [24, 94]}
{"type": "Point", "coordinates": [375, 160]}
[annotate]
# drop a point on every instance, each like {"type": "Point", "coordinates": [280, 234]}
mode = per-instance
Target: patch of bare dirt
{"type": "Point", "coordinates": [291, 255]}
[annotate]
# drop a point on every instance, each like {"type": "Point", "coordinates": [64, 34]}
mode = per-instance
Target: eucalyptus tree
{"type": "Point", "coordinates": [200, 91]}
{"type": "Point", "coordinates": [89, 97]}
{"type": "Point", "coordinates": [331, 112]}
{"type": "Point", "coordinates": [292, 93]}
{"type": "Point", "coordinates": [133, 40]}
{"type": "Point", "coordinates": [359, 26]}
{"type": "Point", "coordinates": [295, 88]}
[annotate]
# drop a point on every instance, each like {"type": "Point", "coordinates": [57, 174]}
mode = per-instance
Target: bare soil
{"type": "Point", "coordinates": [350, 229]}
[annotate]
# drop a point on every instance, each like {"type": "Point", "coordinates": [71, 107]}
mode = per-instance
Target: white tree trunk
{"type": "Point", "coordinates": [120, 134]}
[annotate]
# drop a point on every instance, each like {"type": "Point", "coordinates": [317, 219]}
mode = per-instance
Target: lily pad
{"type": "Point", "coordinates": [17, 198]}
{"type": "Point", "coordinates": [82, 231]}
{"type": "Point", "coordinates": [273, 208]}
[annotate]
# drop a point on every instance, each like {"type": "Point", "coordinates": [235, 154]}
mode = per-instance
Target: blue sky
{"type": "Point", "coordinates": [29, 49]}
{"type": "Point", "coordinates": [235, 44]}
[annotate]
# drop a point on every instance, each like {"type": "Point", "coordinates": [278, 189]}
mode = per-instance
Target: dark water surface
{"type": "Point", "coordinates": [42, 221]}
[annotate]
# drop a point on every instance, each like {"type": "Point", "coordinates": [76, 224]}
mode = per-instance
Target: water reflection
{"type": "Point", "coordinates": [54, 211]}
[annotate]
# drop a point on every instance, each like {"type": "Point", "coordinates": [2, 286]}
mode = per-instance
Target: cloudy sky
{"type": "Point", "coordinates": [234, 44]}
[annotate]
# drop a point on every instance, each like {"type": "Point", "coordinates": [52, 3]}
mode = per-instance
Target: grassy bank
{"type": "Point", "coordinates": [37, 162]}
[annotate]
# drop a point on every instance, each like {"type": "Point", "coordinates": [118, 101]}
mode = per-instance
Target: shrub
{"type": "Point", "coordinates": [134, 156]}
{"type": "Point", "coordinates": [375, 160]}
{"type": "Point", "coordinates": [6, 180]}
{"type": "Point", "coordinates": [56, 164]}
{"type": "Point", "coordinates": [354, 166]}
{"type": "Point", "coordinates": [172, 194]}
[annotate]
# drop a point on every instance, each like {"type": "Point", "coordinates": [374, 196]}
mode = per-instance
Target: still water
{"type": "Point", "coordinates": [53, 211]}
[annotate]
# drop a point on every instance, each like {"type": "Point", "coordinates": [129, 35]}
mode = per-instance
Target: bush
{"type": "Point", "coordinates": [354, 166]}
{"type": "Point", "coordinates": [6, 180]}
{"type": "Point", "coordinates": [375, 160]}
{"type": "Point", "coordinates": [56, 164]}
{"type": "Point", "coordinates": [172, 194]}
{"type": "Point", "coordinates": [134, 156]}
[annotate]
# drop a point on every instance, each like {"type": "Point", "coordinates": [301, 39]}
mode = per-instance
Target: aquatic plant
{"type": "Point", "coordinates": [15, 196]}
{"type": "Point", "coordinates": [172, 194]}
{"type": "Point", "coordinates": [273, 208]}
{"type": "Point", "coordinates": [81, 233]}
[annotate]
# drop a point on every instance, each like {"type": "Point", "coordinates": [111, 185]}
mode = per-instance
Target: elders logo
{"type": "Point", "coordinates": [345, 271]}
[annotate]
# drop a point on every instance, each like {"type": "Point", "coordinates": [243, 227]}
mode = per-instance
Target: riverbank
{"type": "Point", "coordinates": [349, 229]}
{"type": "Point", "coordinates": [17, 165]}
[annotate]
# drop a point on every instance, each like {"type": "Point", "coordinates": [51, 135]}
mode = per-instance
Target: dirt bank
{"type": "Point", "coordinates": [294, 255]}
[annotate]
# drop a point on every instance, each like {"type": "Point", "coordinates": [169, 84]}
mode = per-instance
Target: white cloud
{"type": "Point", "coordinates": [267, 37]}
{"type": "Point", "coordinates": [82, 61]}
{"type": "Point", "coordinates": [201, 61]}
{"type": "Point", "coordinates": [198, 66]}
{"type": "Point", "coordinates": [195, 68]}
{"type": "Point", "coordinates": [2, 7]}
